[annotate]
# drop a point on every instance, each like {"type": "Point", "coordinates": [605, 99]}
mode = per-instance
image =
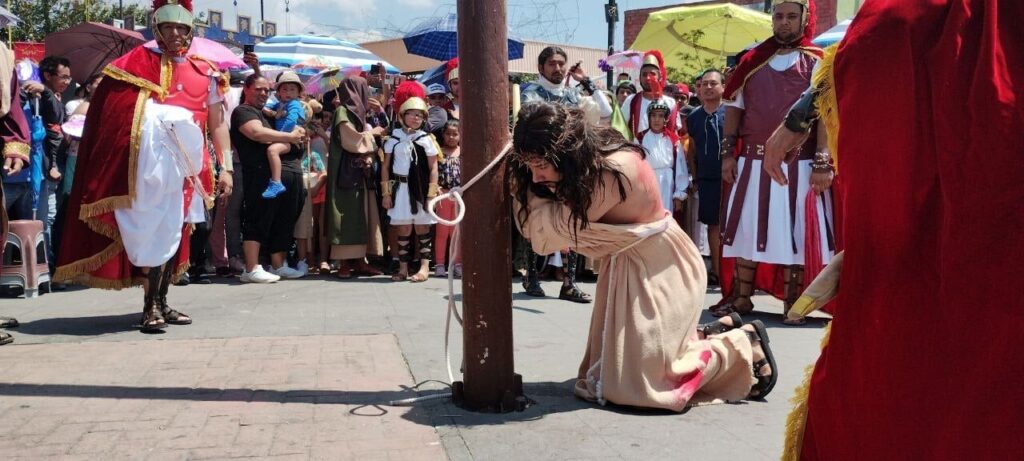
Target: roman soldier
{"type": "Point", "coordinates": [144, 172]}
{"type": "Point", "coordinates": [768, 228]}
{"type": "Point", "coordinates": [653, 80]}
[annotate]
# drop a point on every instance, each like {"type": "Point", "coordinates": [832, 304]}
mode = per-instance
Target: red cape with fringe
{"type": "Point", "coordinates": [91, 250]}
{"type": "Point", "coordinates": [923, 359]}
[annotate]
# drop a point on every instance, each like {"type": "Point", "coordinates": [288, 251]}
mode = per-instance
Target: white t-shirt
{"type": "Point", "coordinates": [399, 145]}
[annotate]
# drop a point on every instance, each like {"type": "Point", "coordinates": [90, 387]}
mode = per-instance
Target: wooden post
{"type": "Point", "coordinates": [490, 382]}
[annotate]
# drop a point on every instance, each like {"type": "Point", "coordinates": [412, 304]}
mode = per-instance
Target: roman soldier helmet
{"type": "Point", "coordinates": [174, 12]}
{"type": "Point", "coordinates": [413, 103]}
{"type": "Point", "coordinates": [654, 58]}
{"type": "Point", "coordinates": [658, 105]}
{"type": "Point", "coordinates": [806, 8]}
{"type": "Point", "coordinates": [452, 69]}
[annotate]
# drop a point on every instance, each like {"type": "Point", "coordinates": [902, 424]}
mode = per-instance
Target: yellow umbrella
{"type": "Point", "coordinates": [693, 37]}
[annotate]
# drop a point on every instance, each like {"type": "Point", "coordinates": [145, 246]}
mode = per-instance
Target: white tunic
{"type": "Point", "coordinates": [399, 145]}
{"type": "Point", "coordinates": [151, 228]}
{"type": "Point", "coordinates": [669, 164]}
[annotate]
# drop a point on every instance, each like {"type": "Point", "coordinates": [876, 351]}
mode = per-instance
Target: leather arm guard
{"type": "Point", "coordinates": [803, 114]}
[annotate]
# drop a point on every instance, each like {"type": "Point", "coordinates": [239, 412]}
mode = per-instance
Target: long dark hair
{"type": "Point", "coordinates": [578, 150]}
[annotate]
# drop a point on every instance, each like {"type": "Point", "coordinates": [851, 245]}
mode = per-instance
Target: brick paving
{"type": "Point", "coordinates": [310, 397]}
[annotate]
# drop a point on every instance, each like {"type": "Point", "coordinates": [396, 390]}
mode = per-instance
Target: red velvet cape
{"type": "Point", "coordinates": [924, 356]}
{"type": "Point", "coordinates": [91, 250]}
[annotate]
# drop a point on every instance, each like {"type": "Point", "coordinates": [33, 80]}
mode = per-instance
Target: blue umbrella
{"type": "Point", "coordinates": [434, 75]}
{"type": "Point", "coordinates": [437, 38]}
{"type": "Point", "coordinates": [287, 50]}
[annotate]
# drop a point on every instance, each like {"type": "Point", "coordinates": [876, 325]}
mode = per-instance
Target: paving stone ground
{"type": "Point", "coordinates": [305, 370]}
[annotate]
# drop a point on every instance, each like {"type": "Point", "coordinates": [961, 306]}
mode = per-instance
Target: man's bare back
{"type": "Point", "coordinates": [643, 200]}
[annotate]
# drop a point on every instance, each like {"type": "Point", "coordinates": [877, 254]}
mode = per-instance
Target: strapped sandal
{"type": "Point", "coordinates": [5, 338]}
{"type": "Point", "coordinates": [325, 268]}
{"type": "Point", "coordinates": [574, 294]}
{"type": "Point", "coordinates": [399, 277]}
{"type": "Point", "coordinates": [743, 288]}
{"type": "Point", "coordinates": [8, 322]}
{"type": "Point", "coordinates": [152, 319]}
{"type": "Point", "coordinates": [717, 327]}
{"type": "Point", "coordinates": [172, 316]}
{"type": "Point", "coordinates": [794, 283]}
{"type": "Point", "coordinates": [764, 384]}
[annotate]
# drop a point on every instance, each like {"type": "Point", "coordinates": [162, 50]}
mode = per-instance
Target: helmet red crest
{"type": "Point", "coordinates": [187, 4]}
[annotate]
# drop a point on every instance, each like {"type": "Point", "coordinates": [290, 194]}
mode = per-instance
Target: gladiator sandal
{"type": "Point", "coordinates": [742, 290]}
{"type": "Point", "coordinates": [571, 292]}
{"type": "Point", "coordinates": [764, 382]}
{"type": "Point", "coordinates": [794, 283]}
{"type": "Point", "coordinates": [404, 257]}
{"type": "Point", "coordinates": [717, 327]}
{"type": "Point", "coordinates": [171, 316]}
{"type": "Point", "coordinates": [426, 243]}
{"type": "Point", "coordinates": [532, 281]}
{"type": "Point", "coordinates": [152, 319]}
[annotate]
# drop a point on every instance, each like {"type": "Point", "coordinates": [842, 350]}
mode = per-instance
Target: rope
{"type": "Point", "coordinates": [455, 194]}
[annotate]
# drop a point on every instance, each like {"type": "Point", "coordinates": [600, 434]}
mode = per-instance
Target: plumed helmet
{"type": "Point", "coordinates": [172, 12]}
{"type": "Point", "coordinates": [413, 103]}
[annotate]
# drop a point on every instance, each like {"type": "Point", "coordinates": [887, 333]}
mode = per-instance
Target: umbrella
{"type": "Point", "coordinates": [7, 18]}
{"type": "Point", "coordinates": [724, 29]}
{"type": "Point", "coordinates": [205, 48]}
{"type": "Point", "coordinates": [434, 75]}
{"type": "Point", "coordinates": [90, 46]}
{"type": "Point", "coordinates": [328, 80]}
{"type": "Point", "coordinates": [833, 35]}
{"type": "Point", "coordinates": [437, 38]}
{"type": "Point", "coordinates": [288, 50]}
{"type": "Point", "coordinates": [628, 59]}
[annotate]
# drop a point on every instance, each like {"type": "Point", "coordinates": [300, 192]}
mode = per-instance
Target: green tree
{"type": "Point", "coordinates": [694, 63]}
{"type": "Point", "coordinates": [41, 17]}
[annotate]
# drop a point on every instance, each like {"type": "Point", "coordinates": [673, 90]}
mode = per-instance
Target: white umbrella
{"type": "Point", "coordinates": [7, 18]}
{"type": "Point", "coordinates": [288, 50]}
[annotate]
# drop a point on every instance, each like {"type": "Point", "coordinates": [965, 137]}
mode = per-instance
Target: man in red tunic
{"type": "Point", "coordinates": [923, 357]}
{"type": "Point", "coordinates": [144, 171]}
{"type": "Point", "coordinates": [764, 226]}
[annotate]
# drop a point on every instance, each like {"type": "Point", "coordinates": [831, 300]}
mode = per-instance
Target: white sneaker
{"type": "Point", "coordinates": [258, 275]}
{"type": "Point", "coordinates": [302, 267]}
{"type": "Point", "coordinates": [286, 272]}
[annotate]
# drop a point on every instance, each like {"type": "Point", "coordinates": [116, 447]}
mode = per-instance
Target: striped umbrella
{"type": "Point", "coordinates": [288, 50]}
{"type": "Point", "coordinates": [437, 38]}
{"type": "Point", "coordinates": [833, 35]}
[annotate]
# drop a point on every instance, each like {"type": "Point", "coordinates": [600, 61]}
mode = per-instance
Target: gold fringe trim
{"type": "Point", "coordinates": [17, 149]}
{"type": "Point", "coordinates": [797, 419]}
{"type": "Point", "coordinates": [118, 74]}
{"type": "Point", "coordinates": [135, 142]}
{"type": "Point", "coordinates": [166, 74]}
{"type": "Point", "coordinates": [827, 104]}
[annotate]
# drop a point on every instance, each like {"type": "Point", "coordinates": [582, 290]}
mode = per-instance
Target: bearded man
{"type": "Point", "coordinates": [767, 233]}
{"type": "Point", "coordinates": [144, 172]}
{"type": "Point", "coordinates": [585, 186]}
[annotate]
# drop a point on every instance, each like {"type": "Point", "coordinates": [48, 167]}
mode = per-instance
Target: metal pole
{"type": "Point", "coordinates": [612, 15]}
{"type": "Point", "coordinates": [263, 21]}
{"type": "Point", "coordinates": [120, 9]}
{"type": "Point", "coordinates": [490, 382]}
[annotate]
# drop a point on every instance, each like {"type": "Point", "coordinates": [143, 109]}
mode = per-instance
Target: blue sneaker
{"type": "Point", "coordinates": [274, 189]}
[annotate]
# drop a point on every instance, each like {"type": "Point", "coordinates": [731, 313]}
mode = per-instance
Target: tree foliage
{"type": "Point", "coordinates": [694, 63]}
{"type": "Point", "coordinates": [41, 17]}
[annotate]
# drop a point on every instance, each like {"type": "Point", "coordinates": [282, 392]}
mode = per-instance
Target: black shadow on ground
{"type": "Point", "coordinates": [82, 326]}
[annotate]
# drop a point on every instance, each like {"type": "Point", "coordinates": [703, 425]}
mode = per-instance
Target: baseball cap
{"type": "Point", "coordinates": [436, 88]}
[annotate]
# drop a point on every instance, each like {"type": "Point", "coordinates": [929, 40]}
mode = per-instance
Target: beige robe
{"type": "Point", "coordinates": [643, 348]}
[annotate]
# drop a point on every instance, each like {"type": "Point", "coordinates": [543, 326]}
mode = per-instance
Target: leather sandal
{"type": "Point", "coordinates": [794, 283]}
{"type": "Point", "coordinates": [5, 338]}
{"type": "Point", "coordinates": [574, 294]}
{"type": "Point", "coordinates": [717, 327]}
{"type": "Point", "coordinates": [8, 322]}
{"type": "Point", "coordinates": [152, 320]}
{"type": "Point", "coordinates": [172, 316]}
{"type": "Point", "coordinates": [765, 383]}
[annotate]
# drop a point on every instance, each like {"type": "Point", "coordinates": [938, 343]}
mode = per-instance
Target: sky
{"type": "Point", "coordinates": [575, 22]}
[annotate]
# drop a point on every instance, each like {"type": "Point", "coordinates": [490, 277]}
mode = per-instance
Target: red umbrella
{"type": "Point", "coordinates": [90, 46]}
